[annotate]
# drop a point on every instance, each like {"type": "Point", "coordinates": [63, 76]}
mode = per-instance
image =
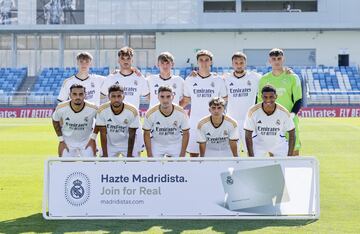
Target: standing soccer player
{"type": "Point", "coordinates": [77, 118]}
{"type": "Point", "coordinates": [242, 88]}
{"type": "Point", "coordinates": [166, 127]}
{"type": "Point", "coordinates": [266, 125]}
{"type": "Point", "coordinates": [199, 91]}
{"type": "Point", "coordinates": [134, 87]}
{"type": "Point", "coordinates": [288, 88]}
{"type": "Point", "coordinates": [91, 82]}
{"type": "Point", "coordinates": [117, 122]}
{"type": "Point", "coordinates": [217, 133]}
{"type": "Point", "coordinates": [165, 78]}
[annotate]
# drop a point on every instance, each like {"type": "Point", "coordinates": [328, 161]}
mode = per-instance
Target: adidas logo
{"type": "Point", "coordinates": [156, 86]}
{"type": "Point", "coordinates": [259, 121]}
{"type": "Point", "coordinates": [158, 122]}
{"type": "Point", "coordinates": [117, 82]}
{"type": "Point", "coordinates": [109, 120]}
{"type": "Point", "coordinates": [231, 84]}
{"type": "Point", "coordinates": [195, 84]}
{"type": "Point", "coordinates": [208, 134]}
{"type": "Point", "coordinates": [67, 118]}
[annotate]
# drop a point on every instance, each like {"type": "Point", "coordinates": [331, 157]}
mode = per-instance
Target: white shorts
{"type": "Point", "coordinates": [279, 150]}
{"type": "Point", "coordinates": [193, 146]}
{"type": "Point", "coordinates": [78, 152]}
{"type": "Point", "coordinates": [167, 150]}
{"type": "Point", "coordinates": [139, 142]}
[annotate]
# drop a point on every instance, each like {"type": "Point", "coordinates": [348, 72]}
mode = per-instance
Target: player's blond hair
{"type": "Point", "coordinates": [126, 51]}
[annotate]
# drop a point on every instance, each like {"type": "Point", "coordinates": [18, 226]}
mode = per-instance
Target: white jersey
{"type": "Point", "coordinates": [166, 130]}
{"type": "Point", "coordinates": [268, 130]}
{"type": "Point", "coordinates": [92, 86]}
{"type": "Point", "coordinates": [117, 125]}
{"type": "Point", "coordinates": [201, 91]}
{"type": "Point", "coordinates": [134, 87]}
{"type": "Point", "coordinates": [241, 94]}
{"type": "Point", "coordinates": [76, 126]}
{"type": "Point", "coordinates": [217, 138]}
{"type": "Point", "coordinates": [175, 82]}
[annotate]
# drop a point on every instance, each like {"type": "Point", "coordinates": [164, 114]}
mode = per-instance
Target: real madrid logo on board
{"type": "Point", "coordinates": [77, 189]}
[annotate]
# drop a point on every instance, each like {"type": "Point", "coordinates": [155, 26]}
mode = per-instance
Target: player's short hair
{"type": "Point", "coordinates": [204, 52]}
{"type": "Point", "coordinates": [77, 86]}
{"type": "Point", "coordinates": [166, 57]}
{"type": "Point", "coordinates": [115, 88]}
{"type": "Point", "coordinates": [276, 52]}
{"type": "Point", "coordinates": [217, 101]}
{"type": "Point", "coordinates": [126, 51]}
{"type": "Point", "coordinates": [268, 88]}
{"type": "Point", "coordinates": [84, 55]}
{"type": "Point", "coordinates": [239, 54]}
{"type": "Point", "coordinates": [165, 89]}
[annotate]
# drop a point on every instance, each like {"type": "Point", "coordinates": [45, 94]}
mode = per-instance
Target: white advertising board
{"type": "Point", "coordinates": [200, 188]}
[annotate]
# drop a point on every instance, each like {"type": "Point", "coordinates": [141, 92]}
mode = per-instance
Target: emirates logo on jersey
{"type": "Point", "coordinates": [126, 121]}
{"type": "Point", "coordinates": [249, 83]}
{"type": "Point", "coordinates": [278, 122]}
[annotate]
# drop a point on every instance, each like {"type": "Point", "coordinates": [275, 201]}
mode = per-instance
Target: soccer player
{"type": "Point", "coordinates": [242, 88]}
{"type": "Point", "coordinates": [166, 127]}
{"type": "Point", "coordinates": [117, 122]}
{"type": "Point", "coordinates": [266, 125]}
{"type": "Point", "coordinates": [199, 91]}
{"type": "Point", "coordinates": [77, 118]}
{"type": "Point", "coordinates": [288, 87]}
{"type": "Point", "coordinates": [91, 82]}
{"type": "Point", "coordinates": [165, 78]}
{"type": "Point", "coordinates": [217, 133]}
{"type": "Point", "coordinates": [134, 87]}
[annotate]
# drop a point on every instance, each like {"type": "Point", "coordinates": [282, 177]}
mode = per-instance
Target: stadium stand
{"type": "Point", "coordinates": [11, 78]}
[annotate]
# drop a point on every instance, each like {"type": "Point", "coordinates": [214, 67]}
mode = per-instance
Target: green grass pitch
{"type": "Point", "coordinates": [26, 143]}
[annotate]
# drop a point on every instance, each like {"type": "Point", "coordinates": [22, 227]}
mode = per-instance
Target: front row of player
{"type": "Point", "coordinates": [166, 127]}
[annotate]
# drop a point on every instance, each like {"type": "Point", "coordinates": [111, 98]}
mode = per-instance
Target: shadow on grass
{"type": "Point", "coordinates": [36, 223]}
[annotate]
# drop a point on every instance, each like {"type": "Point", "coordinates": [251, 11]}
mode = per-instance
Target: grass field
{"type": "Point", "coordinates": [26, 143]}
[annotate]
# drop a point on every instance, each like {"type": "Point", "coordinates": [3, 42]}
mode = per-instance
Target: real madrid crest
{"type": "Point", "coordinates": [135, 82]}
{"type": "Point", "coordinates": [175, 123]}
{"type": "Point", "coordinates": [225, 133]}
{"type": "Point", "coordinates": [174, 86]}
{"type": "Point", "coordinates": [212, 84]}
{"type": "Point", "coordinates": [92, 85]}
{"type": "Point", "coordinates": [249, 83]}
{"type": "Point", "coordinates": [126, 121]}
{"type": "Point", "coordinates": [278, 122]}
{"type": "Point", "coordinates": [86, 119]}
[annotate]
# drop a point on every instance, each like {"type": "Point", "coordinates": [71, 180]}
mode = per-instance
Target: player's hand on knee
{"type": "Point", "coordinates": [62, 147]}
{"type": "Point", "coordinates": [92, 144]}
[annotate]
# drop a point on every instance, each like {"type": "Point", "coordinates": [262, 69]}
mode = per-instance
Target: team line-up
{"type": "Point", "coordinates": [241, 110]}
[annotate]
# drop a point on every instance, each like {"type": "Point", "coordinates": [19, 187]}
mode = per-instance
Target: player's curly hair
{"type": "Point", "coordinates": [268, 88]}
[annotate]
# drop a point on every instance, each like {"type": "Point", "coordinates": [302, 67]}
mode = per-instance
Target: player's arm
{"type": "Point", "coordinates": [62, 145]}
{"type": "Point", "coordinates": [233, 147]}
{"type": "Point", "coordinates": [103, 139]}
{"type": "Point", "coordinates": [249, 143]}
{"type": "Point", "coordinates": [184, 142]}
{"type": "Point", "coordinates": [147, 141]}
{"type": "Point", "coordinates": [291, 142]}
{"type": "Point", "coordinates": [202, 148]}
{"type": "Point", "coordinates": [131, 141]}
{"type": "Point", "coordinates": [92, 141]}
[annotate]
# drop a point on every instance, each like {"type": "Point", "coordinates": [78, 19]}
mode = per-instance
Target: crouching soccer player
{"type": "Point", "coordinates": [217, 134]}
{"type": "Point", "coordinates": [266, 125]}
{"type": "Point", "coordinates": [73, 121]}
{"type": "Point", "coordinates": [166, 127]}
{"type": "Point", "coordinates": [117, 122]}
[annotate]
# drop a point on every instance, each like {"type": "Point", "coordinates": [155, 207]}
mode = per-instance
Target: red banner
{"type": "Point", "coordinates": [26, 112]}
{"type": "Point", "coordinates": [307, 112]}
{"type": "Point", "coordinates": [329, 112]}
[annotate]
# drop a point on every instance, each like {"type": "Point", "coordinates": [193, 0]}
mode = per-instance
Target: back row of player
{"type": "Point", "coordinates": [239, 88]}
